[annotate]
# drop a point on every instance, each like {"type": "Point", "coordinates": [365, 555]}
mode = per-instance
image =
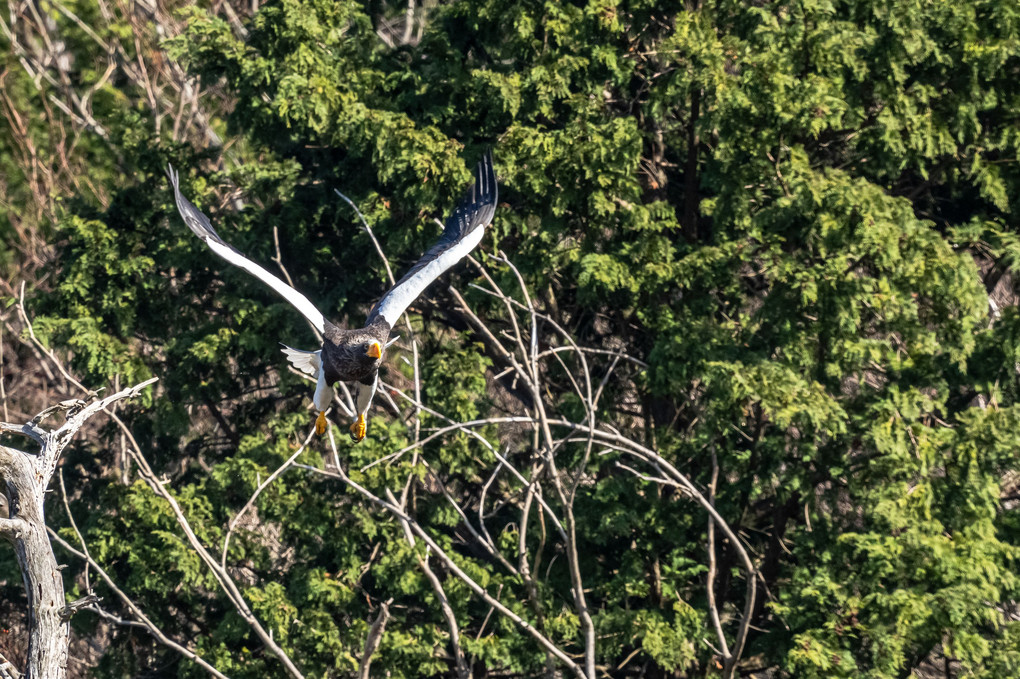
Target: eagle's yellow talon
{"type": "Point", "coordinates": [320, 424]}
{"type": "Point", "coordinates": [358, 429]}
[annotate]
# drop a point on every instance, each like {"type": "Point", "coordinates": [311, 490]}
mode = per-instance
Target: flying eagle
{"type": "Point", "coordinates": [355, 355]}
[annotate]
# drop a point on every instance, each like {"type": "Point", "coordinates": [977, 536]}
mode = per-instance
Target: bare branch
{"type": "Point", "coordinates": [375, 633]}
{"type": "Point", "coordinates": [142, 619]}
{"type": "Point", "coordinates": [566, 498]}
{"type": "Point", "coordinates": [375, 241]}
{"type": "Point", "coordinates": [452, 566]}
{"type": "Point", "coordinates": [74, 526]}
{"type": "Point", "coordinates": [69, 609]}
{"type": "Point", "coordinates": [30, 430]}
{"type": "Point", "coordinates": [437, 586]}
{"type": "Point", "coordinates": [483, 538]}
{"type": "Point", "coordinates": [7, 670]}
{"type": "Point", "coordinates": [645, 477]}
{"type": "Point", "coordinates": [35, 340]}
{"type": "Point", "coordinates": [3, 389]}
{"type": "Point", "coordinates": [468, 428]}
{"type": "Point", "coordinates": [713, 609]}
{"type": "Point", "coordinates": [12, 529]}
{"type": "Point", "coordinates": [227, 584]}
{"type": "Point", "coordinates": [258, 491]}
{"type": "Point", "coordinates": [278, 258]}
{"type": "Point", "coordinates": [750, 571]}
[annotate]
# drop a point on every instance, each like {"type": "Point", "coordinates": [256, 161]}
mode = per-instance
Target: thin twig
{"type": "Point", "coordinates": [7, 670]}
{"type": "Point", "coordinates": [437, 586]}
{"type": "Point", "coordinates": [278, 258]}
{"type": "Point", "coordinates": [220, 574]}
{"type": "Point", "coordinates": [375, 241]}
{"type": "Point", "coordinates": [452, 566]}
{"type": "Point", "coordinates": [3, 391]}
{"type": "Point", "coordinates": [135, 610]}
{"type": "Point", "coordinates": [74, 526]}
{"type": "Point", "coordinates": [375, 633]}
{"type": "Point", "coordinates": [713, 609]}
{"type": "Point", "coordinates": [258, 491]}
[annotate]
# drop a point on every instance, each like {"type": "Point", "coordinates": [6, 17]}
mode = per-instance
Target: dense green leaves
{"type": "Point", "coordinates": [795, 213]}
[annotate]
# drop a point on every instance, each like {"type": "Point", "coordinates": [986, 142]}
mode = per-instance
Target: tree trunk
{"type": "Point", "coordinates": [26, 530]}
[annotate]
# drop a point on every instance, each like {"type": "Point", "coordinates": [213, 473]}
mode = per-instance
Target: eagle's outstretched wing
{"type": "Point", "coordinates": [199, 223]}
{"type": "Point", "coordinates": [463, 231]}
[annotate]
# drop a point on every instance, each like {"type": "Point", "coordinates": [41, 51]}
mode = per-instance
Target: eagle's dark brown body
{"type": "Point", "coordinates": [345, 352]}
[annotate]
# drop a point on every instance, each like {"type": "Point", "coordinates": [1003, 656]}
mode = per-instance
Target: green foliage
{"type": "Point", "coordinates": [794, 213]}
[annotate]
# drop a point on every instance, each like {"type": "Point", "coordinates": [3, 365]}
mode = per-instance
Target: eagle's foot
{"type": "Point", "coordinates": [320, 424]}
{"type": "Point", "coordinates": [359, 429]}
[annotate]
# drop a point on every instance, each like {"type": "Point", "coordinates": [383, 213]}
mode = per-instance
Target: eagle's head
{"type": "Point", "coordinates": [369, 353]}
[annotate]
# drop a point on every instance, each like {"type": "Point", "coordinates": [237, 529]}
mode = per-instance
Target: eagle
{"type": "Point", "coordinates": [354, 355]}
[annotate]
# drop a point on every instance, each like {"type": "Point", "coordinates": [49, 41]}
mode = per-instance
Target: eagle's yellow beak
{"type": "Point", "coordinates": [375, 350]}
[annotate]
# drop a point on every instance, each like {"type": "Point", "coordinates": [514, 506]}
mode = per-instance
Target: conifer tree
{"type": "Point", "coordinates": [799, 218]}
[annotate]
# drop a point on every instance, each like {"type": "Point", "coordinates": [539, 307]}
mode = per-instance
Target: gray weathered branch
{"type": "Point", "coordinates": [375, 633]}
{"type": "Point", "coordinates": [24, 478]}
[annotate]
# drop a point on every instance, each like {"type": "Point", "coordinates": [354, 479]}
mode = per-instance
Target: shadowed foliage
{"type": "Point", "coordinates": [800, 215]}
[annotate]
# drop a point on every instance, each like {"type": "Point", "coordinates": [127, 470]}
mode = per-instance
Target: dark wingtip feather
{"type": "Point", "coordinates": [491, 186]}
{"type": "Point", "coordinates": [192, 216]}
{"type": "Point", "coordinates": [480, 202]}
{"type": "Point", "coordinates": [474, 212]}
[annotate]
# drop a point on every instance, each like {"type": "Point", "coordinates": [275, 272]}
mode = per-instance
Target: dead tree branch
{"type": "Point", "coordinates": [375, 633]}
{"type": "Point", "coordinates": [25, 478]}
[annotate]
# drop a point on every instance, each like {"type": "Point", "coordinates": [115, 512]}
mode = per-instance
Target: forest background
{"type": "Point", "coordinates": [769, 246]}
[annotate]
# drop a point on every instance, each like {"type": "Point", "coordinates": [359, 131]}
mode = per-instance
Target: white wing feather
{"type": "Point", "coordinates": [200, 224]}
{"type": "Point", "coordinates": [403, 294]}
{"type": "Point", "coordinates": [462, 233]}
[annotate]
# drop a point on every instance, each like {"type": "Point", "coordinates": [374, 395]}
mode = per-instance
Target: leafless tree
{"type": "Point", "coordinates": [528, 345]}
{"type": "Point", "coordinates": [26, 478]}
{"type": "Point", "coordinates": [535, 341]}
{"type": "Point", "coordinates": [527, 472]}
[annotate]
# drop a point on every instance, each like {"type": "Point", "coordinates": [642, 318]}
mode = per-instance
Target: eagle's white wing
{"type": "Point", "coordinates": [307, 362]}
{"type": "Point", "coordinates": [199, 223]}
{"type": "Point", "coordinates": [463, 232]}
